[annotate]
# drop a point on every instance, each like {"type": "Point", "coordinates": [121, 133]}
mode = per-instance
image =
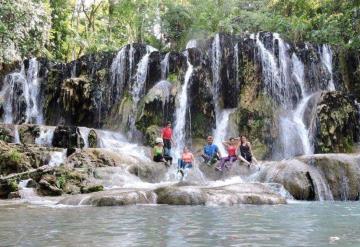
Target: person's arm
{"type": "Point", "coordinates": [225, 143]}
{"type": "Point", "coordinates": [162, 133]}
{"type": "Point", "coordinates": [243, 160]}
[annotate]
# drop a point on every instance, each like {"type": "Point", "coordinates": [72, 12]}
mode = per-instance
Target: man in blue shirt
{"type": "Point", "coordinates": [211, 152]}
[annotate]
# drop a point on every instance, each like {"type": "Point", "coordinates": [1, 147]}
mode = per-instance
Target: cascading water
{"type": "Point", "coordinates": [84, 132]}
{"type": "Point", "coordinates": [116, 141]}
{"type": "Point", "coordinates": [221, 115]}
{"type": "Point", "coordinates": [46, 136]}
{"type": "Point", "coordinates": [117, 71]}
{"type": "Point", "coordinates": [165, 66]}
{"type": "Point", "coordinates": [138, 87]}
{"type": "Point", "coordinates": [180, 114]}
{"type": "Point", "coordinates": [21, 87]}
{"type": "Point", "coordinates": [326, 60]}
{"type": "Point", "coordinates": [282, 80]}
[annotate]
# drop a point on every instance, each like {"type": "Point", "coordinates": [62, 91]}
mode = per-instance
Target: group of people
{"type": "Point", "coordinates": [211, 152]}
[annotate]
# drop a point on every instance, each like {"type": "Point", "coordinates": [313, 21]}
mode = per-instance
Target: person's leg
{"type": "Point", "coordinates": [188, 165]}
{"type": "Point", "coordinates": [158, 158]}
{"type": "Point", "coordinates": [205, 157]}
{"type": "Point", "coordinates": [232, 159]}
{"type": "Point", "coordinates": [222, 163]}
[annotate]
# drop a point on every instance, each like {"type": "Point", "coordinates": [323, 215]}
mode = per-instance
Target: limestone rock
{"type": "Point", "coordinates": [337, 127]}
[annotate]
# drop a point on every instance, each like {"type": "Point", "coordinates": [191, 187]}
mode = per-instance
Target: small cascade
{"type": "Point", "coordinates": [22, 87]}
{"type": "Point", "coordinates": [326, 57]}
{"type": "Point", "coordinates": [138, 87]}
{"type": "Point", "coordinates": [84, 133]}
{"type": "Point", "coordinates": [25, 192]}
{"type": "Point", "coordinates": [180, 114]}
{"type": "Point", "coordinates": [46, 136]}
{"type": "Point", "coordinates": [116, 141]}
{"type": "Point", "coordinates": [16, 134]}
{"type": "Point", "coordinates": [165, 66]}
{"type": "Point", "coordinates": [57, 158]}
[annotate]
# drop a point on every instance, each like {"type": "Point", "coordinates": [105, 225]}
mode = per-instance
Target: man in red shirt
{"type": "Point", "coordinates": [166, 135]}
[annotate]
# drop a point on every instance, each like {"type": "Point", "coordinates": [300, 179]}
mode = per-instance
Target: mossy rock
{"type": "Point", "coordinates": [151, 133]}
{"type": "Point", "coordinates": [92, 188]}
{"type": "Point", "coordinates": [28, 133]}
{"type": "Point", "coordinates": [92, 139]}
{"type": "Point", "coordinates": [12, 161]}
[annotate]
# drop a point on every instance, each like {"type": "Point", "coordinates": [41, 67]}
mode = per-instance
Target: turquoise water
{"type": "Point", "coordinates": [299, 224]}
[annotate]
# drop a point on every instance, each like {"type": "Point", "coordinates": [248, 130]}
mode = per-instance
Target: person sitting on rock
{"type": "Point", "coordinates": [166, 135]}
{"type": "Point", "coordinates": [158, 153]}
{"type": "Point", "coordinates": [245, 151]}
{"type": "Point", "coordinates": [211, 152]}
{"type": "Point", "coordinates": [232, 146]}
{"type": "Point", "coordinates": [186, 161]}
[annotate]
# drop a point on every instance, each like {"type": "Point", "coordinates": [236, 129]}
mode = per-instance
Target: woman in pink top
{"type": "Point", "coordinates": [187, 158]}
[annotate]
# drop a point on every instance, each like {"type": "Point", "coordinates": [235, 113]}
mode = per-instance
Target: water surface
{"type": "Point", "coordinates": [299, 224]}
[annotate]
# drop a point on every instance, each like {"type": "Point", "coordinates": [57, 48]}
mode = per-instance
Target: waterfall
{"type": "Point", "coordinates": [326, 60]}
{"type": "Point", "coordinates": [131, 60]}
{"type": "Point", "coordinates": [236, 63]}
{"type": "Point", "coordinates": [220, 133]}
{"type": "Point", "coordinates": [118, 70]}
{"type": "Point", "coordinates": [21, 87]}
{"type": "Point", "coordinates": [180, 113]}
{"type": "Point", "coordinates": [281, 80]}
{"type": "Point", "coordinates": [138, 87]}
{"type": "Point", "coordinates": [165, 66]}
{"type": "Point", "coordinates": [221, 115]}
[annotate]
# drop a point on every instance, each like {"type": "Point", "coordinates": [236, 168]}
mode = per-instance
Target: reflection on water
{"type": "Point", "coordinates": [300, 224]}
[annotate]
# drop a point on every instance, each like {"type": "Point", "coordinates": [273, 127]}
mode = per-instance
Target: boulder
{"type": "Point", "coordinates": [67, 137]}
{"type": "Point", "coordinates": [118, 197]}
{"type": "Point", "coordinates": [47, 186]}
{"type": "Point", "coordinates": [244, 193]}
{"type": "Point", "coordinates": [316, 177]}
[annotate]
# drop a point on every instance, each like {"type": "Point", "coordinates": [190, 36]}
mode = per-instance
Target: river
{"type": "Point", "coordinates": [294, 224]}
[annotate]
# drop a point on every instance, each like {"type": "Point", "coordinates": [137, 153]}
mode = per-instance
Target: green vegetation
{"type": "Point", "coordinates": [67, 29]}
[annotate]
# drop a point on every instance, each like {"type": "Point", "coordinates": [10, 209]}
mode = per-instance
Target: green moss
{"type": "Point", "coordinates": [172, 77]}
{"type": "Point", "coordinates": [14, 156]}
{"type": "Point", "coordinates": [13, 186]}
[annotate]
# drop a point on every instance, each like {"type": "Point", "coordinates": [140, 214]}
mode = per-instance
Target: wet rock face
{"type": "Point", "coordinates": [337, 127]}
{"type": "Point", "coordinates": [67, 137]}
{"type": "Point", "coordinates": [28, 133]}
